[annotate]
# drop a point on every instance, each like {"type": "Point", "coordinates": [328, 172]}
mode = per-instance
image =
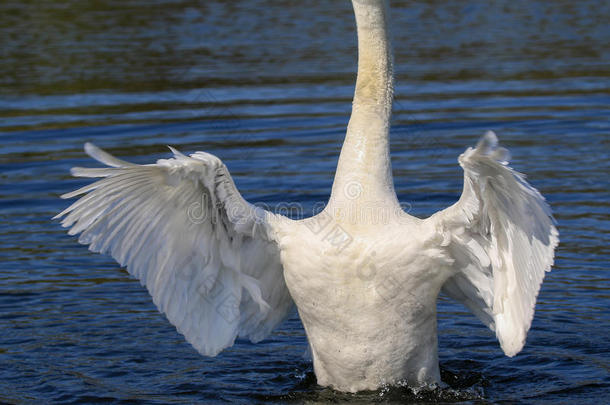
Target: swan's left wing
{"type": "Point", "coordinates": [501, 237]}
{"type": "Point", "coordinates": [207, 257]}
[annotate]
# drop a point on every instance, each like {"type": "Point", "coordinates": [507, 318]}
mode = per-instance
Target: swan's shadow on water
{"type": "Point", "coordinates": [462, 386]}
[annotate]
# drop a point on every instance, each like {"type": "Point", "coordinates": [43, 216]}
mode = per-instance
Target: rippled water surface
{"type": "Point", "coordinates": [266, 86]}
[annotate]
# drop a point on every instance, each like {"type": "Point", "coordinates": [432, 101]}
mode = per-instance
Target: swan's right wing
{"type": "Point", "coordinates": [207, 257]}
{"type": "Point", "coordinates": [501, 237]}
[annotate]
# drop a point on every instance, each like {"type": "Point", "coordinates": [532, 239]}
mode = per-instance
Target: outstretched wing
{"type": "Point", "coordinates": [501, 236]}
{"type": "Point", "coordinates": [207, 257]}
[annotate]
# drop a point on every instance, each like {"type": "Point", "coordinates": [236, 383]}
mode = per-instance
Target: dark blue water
{"type": "Point", "coordinates": [266, 86]}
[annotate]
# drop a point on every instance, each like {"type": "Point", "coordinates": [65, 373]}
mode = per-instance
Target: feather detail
{"type": "Point", "coordinates": [505, 246]}
{"type": "Point", "coordinates": [207, 257]}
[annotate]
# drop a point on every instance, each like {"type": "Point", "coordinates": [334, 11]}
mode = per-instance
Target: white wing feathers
{"type": "Point", "coordinates": [180, 226]}
{"type": "Point", "coordinates": [502, 238]}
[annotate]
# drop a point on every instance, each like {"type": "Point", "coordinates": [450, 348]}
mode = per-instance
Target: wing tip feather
{"type": "Point", "coordinates": [104, 157]}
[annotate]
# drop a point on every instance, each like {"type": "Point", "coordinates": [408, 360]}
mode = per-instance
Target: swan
{"type": "Point", "coordinates": [364, 275]}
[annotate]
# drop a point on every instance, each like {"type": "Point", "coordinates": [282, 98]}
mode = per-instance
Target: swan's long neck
{"type": "Point", "coordinates": [364, 172]}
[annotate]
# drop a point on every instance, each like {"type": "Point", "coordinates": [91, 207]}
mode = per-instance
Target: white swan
{"type": "Point", "coordinates": [363, 274]}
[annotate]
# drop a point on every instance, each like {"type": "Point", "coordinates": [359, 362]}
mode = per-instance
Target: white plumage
{"type": "Point", "coordinates": [364, 275]}
{"type": "Point", "coordinates": [185, 232]}
{"type": "Point", "coordinates": [502, 239]}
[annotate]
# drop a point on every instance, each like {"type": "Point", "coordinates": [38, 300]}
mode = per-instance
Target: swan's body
{"type": "Point", "coordinates": [363, 274]}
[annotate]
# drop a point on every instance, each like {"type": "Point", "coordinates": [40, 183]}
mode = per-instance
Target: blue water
{"type": "Point", "coordinates": [267, 86]}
